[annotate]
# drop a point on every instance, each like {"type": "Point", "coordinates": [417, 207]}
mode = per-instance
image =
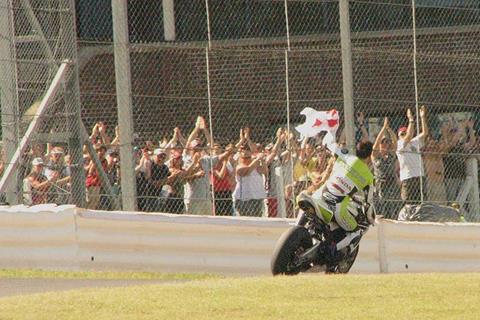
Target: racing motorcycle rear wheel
{"type": "Point", "coordinates": [291, 245]}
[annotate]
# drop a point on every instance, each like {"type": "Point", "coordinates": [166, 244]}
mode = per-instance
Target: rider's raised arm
{"type": "Point", "coordinates": [337, 149]}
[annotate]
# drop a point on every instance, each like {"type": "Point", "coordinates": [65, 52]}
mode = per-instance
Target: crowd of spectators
{"type": "Point", "coordinates": [196, 175]}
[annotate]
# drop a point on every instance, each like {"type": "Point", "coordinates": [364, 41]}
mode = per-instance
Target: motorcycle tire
{"type": "Point", "coordinates": [293, 242]}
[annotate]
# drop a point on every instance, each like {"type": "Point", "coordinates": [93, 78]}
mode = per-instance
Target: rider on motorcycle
{"type": "Point", "coordinates": [344, 196]}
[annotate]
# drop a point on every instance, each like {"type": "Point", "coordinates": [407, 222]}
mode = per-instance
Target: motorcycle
{"type": "Point", "coordinates": [310, 243]}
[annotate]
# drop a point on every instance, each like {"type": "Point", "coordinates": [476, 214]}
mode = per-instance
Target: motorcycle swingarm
{"type": "Point", "coordinates": [311, 255]}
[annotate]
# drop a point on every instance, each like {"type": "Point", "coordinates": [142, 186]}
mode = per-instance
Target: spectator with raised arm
{"type": "Point", "coordinates": [223, 181]}
{"type": "Point", "coordinates": [273, 161]}
{"type": "Point", "coordinates": [249, 191]}
{"type": "Point", "coordinates": [113, 174]}
{"type": "Point", "coordinates": [93, 180]}
{"type": "Point", "coordinates": [143, 173]}
{"type": "Point", "coordinates": [99, 134]}
{"type": "Point", "coordinates": [245, 139]}
{"type": "Point", "coordinates": [386, 190]}
{"type": "Point", "coordinates": [175, 184]}
{"type": "Point", "coordinates": [410, 159]}
{"type": "Point", "coordinates": [198, 195]}
{"type": "Point", "coordinates": [177, 139]}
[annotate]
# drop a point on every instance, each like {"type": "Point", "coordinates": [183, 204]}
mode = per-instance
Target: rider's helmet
{"type": "Point", "coordinates": [364, 149]}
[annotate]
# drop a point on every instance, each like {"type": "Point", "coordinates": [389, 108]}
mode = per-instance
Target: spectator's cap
{"type": "Point", "coordinates": [176, 154]}
{"type": "Point", "coordinates": [56, 151]}
{"type": "Point", "coordinates": [402, 129]}
{"type": "Point", "coordinates": [159, 151]}
{"type": "Point", "coordinates": [37, 161]}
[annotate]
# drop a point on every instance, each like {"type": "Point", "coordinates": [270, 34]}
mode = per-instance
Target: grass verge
{"type": "Point", "coordinates": [406, 296]}
{"type": "Point", "coordinates": [43, 274]}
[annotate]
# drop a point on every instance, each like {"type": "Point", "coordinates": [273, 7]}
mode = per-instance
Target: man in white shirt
{"type": "Point", "coordinates": [410, 159]}
{"type": "Point", "coordinates": [198, 163]}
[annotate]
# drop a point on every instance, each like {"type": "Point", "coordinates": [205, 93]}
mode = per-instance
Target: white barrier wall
{"type": "Point", "coordinates": [69, 238]}
{"type": "Point", "coordinates": [37, 237]}
{"type": "Point", "coordinates": [176, 243]}
{"type": "Point", "coordinates": [431, 247]}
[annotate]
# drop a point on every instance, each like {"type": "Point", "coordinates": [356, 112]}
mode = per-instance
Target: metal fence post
{"type": "Point", "coordinates": [347, 73]}
{"type": "Point", "coordinates": [168, 20]}
{"type": "Point", "coordinates": [8, 93]}
{"type": "Point", "coordinates": [73, 106]}
{"type": "Point", "coordinates": [280, 190]}
{"type": "Point", "coordinates": [382, 247]}
{"type": "Point", "coordinates": [474, 203]}
{"type": "Point", "coordinates": [121, 45]}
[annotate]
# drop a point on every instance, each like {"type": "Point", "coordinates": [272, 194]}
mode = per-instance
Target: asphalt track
{"type": "Point", "coordinates": [16, 287]}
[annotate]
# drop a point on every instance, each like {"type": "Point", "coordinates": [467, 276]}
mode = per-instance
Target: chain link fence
{"type": "Point", "coordinates": [39, 100]}
{"type": "Point", "coordinates": [217, 85]}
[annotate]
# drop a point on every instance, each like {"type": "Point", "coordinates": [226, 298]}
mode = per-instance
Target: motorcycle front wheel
{"type": "Point", "coordinates": [293, 243]}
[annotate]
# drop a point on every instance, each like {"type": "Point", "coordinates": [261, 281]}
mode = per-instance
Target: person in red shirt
{"type": "Point", "coordinates": [223, 181]}
{"type": "Point", "coordinates": [93, 181]}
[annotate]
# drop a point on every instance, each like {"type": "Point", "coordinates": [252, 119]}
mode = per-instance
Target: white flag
{"type": "Point", "coordinates": [319, 121]}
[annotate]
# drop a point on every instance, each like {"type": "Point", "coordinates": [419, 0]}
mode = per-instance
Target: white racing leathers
{"type": "Point", "coordinates": [344, 193]}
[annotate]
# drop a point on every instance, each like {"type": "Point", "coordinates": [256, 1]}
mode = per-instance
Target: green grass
{"type": "Point", "coordinates": [422, 296]}
{"type": "Point", "coordinates": [31, 274]}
